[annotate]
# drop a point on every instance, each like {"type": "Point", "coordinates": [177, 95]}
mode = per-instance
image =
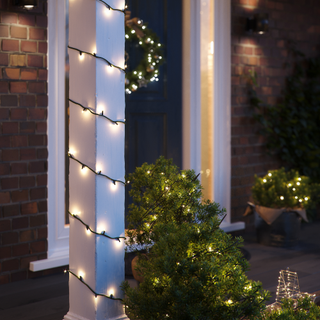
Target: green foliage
{"type": "Point", "coordinates": [281, 189]}
{"type": "Point", "coordinates": [301, 309]}
{"type": "Point", "coordinates": [194, 270]}
{"type": "Point", "coordinates": [292, 127]}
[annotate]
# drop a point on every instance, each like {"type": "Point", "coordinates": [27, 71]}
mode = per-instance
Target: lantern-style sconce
{"type": "Point", "coordinates": [27, 4]}
{"type": "Point", "coordinates": [259, 23]}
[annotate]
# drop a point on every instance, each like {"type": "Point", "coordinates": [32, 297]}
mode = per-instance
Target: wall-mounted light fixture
{"type": "Point", "coordinates": [27, 4]}
{"type": "Point", "coordinates": [259, 23]}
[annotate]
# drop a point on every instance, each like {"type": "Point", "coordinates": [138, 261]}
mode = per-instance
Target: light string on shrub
{"type": "Point", "coordinates": [110, 8]}
{"type": "Point", "coordinates": [98, 57]}
{"type": "Point", "coordinates": [95, 172]}
{"type": "Point", "coordinates": [97, 114]}
{"type": "Point", "coordinates": [96, 294]}
{"type": "Point", "coordinates": [102, 233]}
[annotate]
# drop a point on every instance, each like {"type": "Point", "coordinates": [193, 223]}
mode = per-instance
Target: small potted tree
{"type": "Point", "coordinates": [193, 269]}
{"type": "Point", "coordinates": [281, 200]}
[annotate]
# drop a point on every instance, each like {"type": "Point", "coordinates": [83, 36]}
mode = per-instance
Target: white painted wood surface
{"type": "Point", "coordinates": [100, 145]}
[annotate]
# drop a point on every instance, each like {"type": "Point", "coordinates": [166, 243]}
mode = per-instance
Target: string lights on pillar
{"type": "Point", "coordinates": [95, 172]}
{"type": "Point", "coordinates": [96, 294]}
{"type": "Point", "coordinates": [97, 114]}
{"type": "Point", "coordinates": [80, 277]}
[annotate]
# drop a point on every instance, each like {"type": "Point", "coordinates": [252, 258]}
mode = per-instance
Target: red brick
{"type": "Point", "coordinates": [18, 168]}
{"type": "Point", "coordinates": [42, 101]}
{"type": "Point", "coordinates": [42, 205]}
{"type": "Point", "coordinates": [19, 114]}
{"type": "Point", "coordinates": [35, 61]}
{"type": "Point", "coordinates": [17, 60]}
{"type": "Point", "coordinates": [10, 45]}
{"type": "Point", "coordinates": [42, 180]}
{"type": "Point", "coordinates": [38, 246]}
{"type": "Point", "coordinates": [27, 19]}
{"type": "Point", "coordinates": [42, 233]}
{"type": "Point", "coordinates": [28, 46]}
{"type": "Point", "coordinates": [27, 182]}
{"type": "Point", "coordinates": [42, 21]}
{"type": "Point", "coordinates": [41, 127]}
{"type": "Point", "coordinates": [27, 235]}
{"type": "Point", "coordinates": [11, 73]}
{"type": "Point", "coordinates": [37, 140]}
{"type": "Point", "coordinates": [43, 74]}
{"type": "Point", "coordinates": [37, 33]}
{"type": "Point", "coordinates": [29, 208]}
{"type": "Point", "coordinates": [37, 114]}
{"type": "Point", "coordinates": [19, 195]}
{"type": "Point", "coordinates": [28, 74]}
{"type": "Point", "coordinates": [9, 17]}
{"type": "Point", "coordinates": [9, 183]}
{"type": "Point", "coordinates": [28, 154]}
{"type": "Point", "coordinates": [4, 31]}
{"type": "Point", "coordinates": [9, 265]}
{"type": "Point", "coordinates": [19, 141]}
{"type": "Point", "coordinates": [5, 142]}
{"type": "Point", "coordinates": [18, 87]}
{"type": "Point", "coordinates": [38, 167]}
{"type": "Point", "coordinates": [38, 220]}
{"type": "Point", "coordinates": [11, 210]}
{"type": "Point", "coordinates": [42, 153]}
{"type": "Point", "coordinates": [37, 87]}
{"type": "Point", "coordinates": [10, 155]}
{"type": "Point", "coordinates": [19, 276]}
{"type": "Point", "coordinates": [20, 250]}
{"type": "Point", "coordinates": [5, 225]}
{"type": "Point", "coordinates": [20, 223]}
{"type": "Point", "coordinates": [4, 197]}
{"type": "Point", "coordinates": [5, 252]}
{"type": "Point", "coordinates": [9, 238]}
{"type": "Point", "coordinates": [9, 101]}
{"type": "Point", "coordinates": [4, 59]}
{"type": "Point", "coordinates": [27, 127]}
{"type": "Point", "coordinates": [18, 32]}
{"type": "Point", "coordinates": [38, 193]}
{"type": "Point", "coordinates": [43, 47]}
{"type": "Point", "coordinates": [27, 100]}
{"type": "Point", "coordinates": [4, 88]}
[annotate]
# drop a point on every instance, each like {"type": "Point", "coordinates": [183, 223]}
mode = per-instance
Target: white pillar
{"type": "Point", "coordinates": [98, 143]}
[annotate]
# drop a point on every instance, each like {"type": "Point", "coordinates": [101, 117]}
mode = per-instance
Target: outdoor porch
{"type": "Point", "coordinates": [46, 298]}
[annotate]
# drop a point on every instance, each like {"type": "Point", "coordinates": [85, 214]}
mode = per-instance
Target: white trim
{"type": "Point", "coordinates": [58, 232]}
{"type": "Point", "coordinates": [192, 53]}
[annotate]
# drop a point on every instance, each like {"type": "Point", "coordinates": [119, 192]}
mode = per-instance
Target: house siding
{"type": "Point", "coordinates": [23, 139]}
{"type": "Point", "coordinates": [289, 20]}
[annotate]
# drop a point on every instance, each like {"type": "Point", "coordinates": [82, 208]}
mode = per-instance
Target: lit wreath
{"type": "Point", "coordinates": [148, 68]}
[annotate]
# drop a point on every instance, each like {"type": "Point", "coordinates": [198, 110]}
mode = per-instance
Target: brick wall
{"type": "Point", "coordinates": [23, 139]}
{"type": "Point", "coordinates": [294, 20]}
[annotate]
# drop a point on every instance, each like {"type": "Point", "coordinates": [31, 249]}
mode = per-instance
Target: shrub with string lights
{"type": "Point", "coordinates": [193, 270]}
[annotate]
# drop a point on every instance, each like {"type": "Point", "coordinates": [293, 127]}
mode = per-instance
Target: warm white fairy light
{"type": "Point", "coordinates": [281, 197]}
{"type": "Point", "coordinates": [269, 174]}
{"type": "Point", "coordinates": [298, 183]}
{"type": "Point", "coordinates": [264, 180]}
{"type": "Point", "coordinates": [306, 198]}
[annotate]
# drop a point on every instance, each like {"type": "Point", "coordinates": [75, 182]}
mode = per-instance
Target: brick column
{"type": "Point", "coordinates": [23, 139]}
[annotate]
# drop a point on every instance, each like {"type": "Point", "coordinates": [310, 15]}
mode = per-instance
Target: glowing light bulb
{"type": "Point", "coordinates": [88, 231]}
{"type": "Point", "coordinates": [113, 186]}
{"type": "Point", "coordinates": [293, 189]}
{"type": "Point", "coordinates": [264, 180]}
{"type": "Point", "coordinates": [133, 31]}
{"type": "Point", "coordinates": [281, 197]}
{"type": "Point", "coordinates": [269, 174]}
{"type": "Point", "coordinates": [81, 56]}
{"type": "Point", "coordinates": [111, 292]}
{"type": "Point", "coordinates": [298, 183]}
{"type": "Point", "coordinates": [289, 185]}
{"type": "Point", "coordinates": [306, 198]}
{"type": "Point", "coordinates": [300, 200]}
{"type": "Point", "coordinates": [299, 179]}
{"type": "Point", "coordinates": [148, 172]}
{"type": "Point", "coordinates": [81, 274]}
{"type": "Point", "coordinates": [84, 169]}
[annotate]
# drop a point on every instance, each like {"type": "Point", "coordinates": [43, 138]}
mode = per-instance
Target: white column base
{"type": "Point", "coordinates": [72, 316]}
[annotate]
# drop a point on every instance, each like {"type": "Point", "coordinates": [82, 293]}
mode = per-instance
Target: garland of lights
{"type": "Point", "coordinates": [97, 114]}
{"type": "Point", "coordinates": [96, 294]}
{"type": "Point", "coordinates": [95, 172]}
{"type": "Point", "coordinates": [98, 57]}
{"type": "Point", "coordinates": [103, 233]}
{"type": "Point", "coordinates": [148, 68]}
